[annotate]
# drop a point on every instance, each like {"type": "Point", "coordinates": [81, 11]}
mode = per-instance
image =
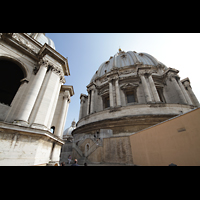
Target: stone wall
{"type": "Point", "coordinates": [19, 149]}
{"type": "Point", "coordinates": [113, 150]}
{"type": "Point", "coordinates": [174, 141]}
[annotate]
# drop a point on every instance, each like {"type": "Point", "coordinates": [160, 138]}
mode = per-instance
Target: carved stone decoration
{"type": "Point", "coordinates": [59, 72]}
{"type": "Point", "coordinates": [42, 62]}
{"type": "Point", "coordinates": [104, 91]}
{"type": "Point", "coordinates": [104, 80]}
{"type": "Point", "coordinates": [24, 43]}
{"type": "Point", "coordinates": [128, 86]}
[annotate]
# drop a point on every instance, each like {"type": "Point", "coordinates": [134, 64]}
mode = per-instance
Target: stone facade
{"type": "Point", "coordinates": [33, 115]}
{"type": "Point", "coordinates": [130, 92]}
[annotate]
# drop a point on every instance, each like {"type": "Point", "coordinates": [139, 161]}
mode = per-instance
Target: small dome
{"type": "Point", "coordinates": [41, 38]}
{"type": "Point", "coordinates": [69, 130]}
{"type": "Point", "coordinates": [123, 59]}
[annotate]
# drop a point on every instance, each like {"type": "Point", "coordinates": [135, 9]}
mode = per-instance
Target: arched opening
{"type": "Point", "coordinates": [53, 129]}
{"type": "Point", "coordinates": [10, 76]}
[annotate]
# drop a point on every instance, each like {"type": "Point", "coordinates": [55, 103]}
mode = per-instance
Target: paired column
{"type": "Point", "coordinates": [32, 94]}
{"type": "Point", "coordinates": [88, 104]}
{"type": "Point", "coordinates": [46, 100]}
{"type": "Point", "coordinates": [145, 87]}
{"type": "Point", "coordinates": [92, 102]}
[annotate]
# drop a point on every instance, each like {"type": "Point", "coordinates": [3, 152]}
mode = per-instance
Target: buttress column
{"type": "Point", "coordinates": [145, 86]}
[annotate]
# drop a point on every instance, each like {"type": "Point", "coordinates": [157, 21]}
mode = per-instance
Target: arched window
{"type": "Point", "coordinates": [10, 76]}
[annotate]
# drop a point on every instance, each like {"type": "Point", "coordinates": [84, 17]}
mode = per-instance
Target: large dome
{"type": "Point", "coordinates": [125, 59]}
{"type": "Point", "coordinates": [42, 38]}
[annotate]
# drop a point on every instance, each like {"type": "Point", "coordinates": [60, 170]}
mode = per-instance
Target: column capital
{"type": "Point", "coordinates": [186, 82]}
{"type": "Point", "coordinates": [143, 70]}
{"type": "Point", "coordinates": [42, 62]}
{"type": "Point", "coordinates": [93, 87]}
{"type": "Point", "coordinates": [66, 96]}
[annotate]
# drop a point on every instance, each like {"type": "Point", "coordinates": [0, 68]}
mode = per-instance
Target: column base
{"type": "Point", "coordinates": [21, 123]}
{"type": "Point", "coordinates": [39, 126]}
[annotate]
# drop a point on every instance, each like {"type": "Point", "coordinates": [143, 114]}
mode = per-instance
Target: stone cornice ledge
{"type": "Point", "coordinates": [29, 130]}
{"type": "Point", "coordinates": [46, 49]}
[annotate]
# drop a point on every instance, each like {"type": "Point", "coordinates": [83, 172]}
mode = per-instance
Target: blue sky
{"type": "Point", "coordinates": [87, 51]}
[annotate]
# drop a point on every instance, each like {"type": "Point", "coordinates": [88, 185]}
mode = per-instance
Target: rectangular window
{"type": "Point", "coordinates": [106, 102]}
{"type": "Point", "coordinates": [130, 97]}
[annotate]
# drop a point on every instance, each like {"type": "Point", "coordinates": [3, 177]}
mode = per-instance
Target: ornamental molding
{"type": "Point", "coordinates": [42, 62]}
{"type": "Point", "coordinates": [25, 43]}
{"type": "Point", "coordinates": [50, 67]}
{"type": "Point", "coordinates": [127, 86]}
{"type": "Point", "coordinates": [129, 71]}
{"type": "Point", "coordinates": [104, 91]}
